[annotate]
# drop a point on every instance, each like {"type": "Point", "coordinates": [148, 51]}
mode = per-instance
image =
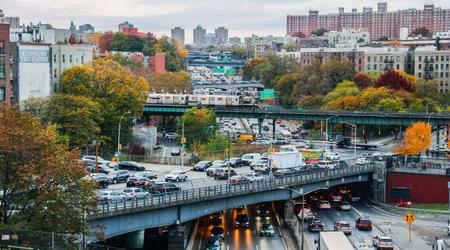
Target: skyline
{"type": "Point", "coordinates": [159, 17]}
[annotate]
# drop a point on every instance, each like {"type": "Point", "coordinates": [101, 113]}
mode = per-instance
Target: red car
{"type": "Point", "coordinates": [363, 224]}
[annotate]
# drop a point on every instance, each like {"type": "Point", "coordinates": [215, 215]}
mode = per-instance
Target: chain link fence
{"type": "Point", "coordinates": [28, 239]}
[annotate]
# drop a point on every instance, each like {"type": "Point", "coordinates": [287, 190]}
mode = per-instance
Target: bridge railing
{"type": "Point", "coordinates": [227, 190]}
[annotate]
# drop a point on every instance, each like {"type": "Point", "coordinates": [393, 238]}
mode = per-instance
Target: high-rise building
{"type": "Point", "coordinates": [125, 24]}
{"type": "Point", "coordinates": [86, 28]}
{"type": "Point", "coordinates": [380, 23]}
{"type": "Point", "coordinates": [177, 34]}
{"type": "Point", "coordinates": [199, 33]}
{"type": "Point", "coordinates": [221, 35]}
{"type": "Point", "coordinates": [5, 69]}
{"type": "Point", "coordinates": [14, 22]}
{"type": "Point", "coordinates": [235, 40]}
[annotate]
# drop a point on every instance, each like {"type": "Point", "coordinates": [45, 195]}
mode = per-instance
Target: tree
{"type": "Point", "coordinates": [72, 40]}
{"type": "Point", "coordinates": [285, 86]}
{"type": "Point", "coordinates": [344, 103]}
{"type": "Point", "coordinates": [239, 53]}
{"type": "Point", "coordinates": [198, 125]}
{"type": "Point", "coordinates": [249, 67]}
{"type": "Point", "coordinates": [421, 31]}
{"type": "Point", "coordinates": [172, 82]}
{"type": "Point", "coordinates": [417, 139]}
{"type": "Point", "coordinates": [427, 89]}
{"type": "Point", "coordinates": [174, 58]}
{"type": "Point", "coordinates": [311, 102]}
{"type": "Point", "coordinates": [394, 80]}
{"type": "Point", "coordinates": [106, 41]}
{"type": "Point", "coordinates": [218, 142]}
{"type": "Point", "coordinates": [40, 178]}
{"type": "Point", "coordinates": [289, 47]}
{"type": "Point", "coordinates": [299, 34]}
{"type": "Point", "coordinates": [394, 104]}
{"type": "Point", "coordinates": [270, 71]}
{"type": "Point", "coordinates": [370, 97]}
{"type": "Point", "coordinates": [320, 32]}
{"type": "Point", "coordinates": [363, 80]}
{"type": "Point", "coordinates": [114, 88]}
{"type": "Point", "coordinates": [345, 88]}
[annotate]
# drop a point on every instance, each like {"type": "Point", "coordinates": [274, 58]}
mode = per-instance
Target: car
{"type": "Point", "coordinates": [281, 141]}
{"type": "Point", "coordinates": [146, 174]}
{"type": "Point", "coordinates": [203, 165]}
{"type": "Point", "coordinates": [176, 175]}
{"type": "Point", "coordinates": [236, 162]}
{"type": "Point", "coordinates": [163, 188]}
{"type": "Point", "coordinates": [242, 221]}
{"type": "Point", "coordinates": [326, 164]}
{"type": "Point", "coordinates": [102, 168]}
{"type": "Point", "coordinates": [315, 224]}
{"type": "Point", "coordinates": [94, 159]}
{"type": "Point", "coordinates": [284, 172]}
{"type": "Point", "coordinates": [362, 246]}
{"type": "Point", "coordinates": [170, 137]}
{"type": "Point", "coordinates": [361, 161]}
{"type": "Point", "coordinates": [135, 193]}
{"type": "Point", "coordinates": [323, 204]}
{"type": "Point", "coordinates": [383, 242]}
{"type": "Point", "coordinates": [251, 158]}
{"type": "Point", "coordinates": [216, 218]}
{"type": "Point", "coordinates": [101, 179]}
{"type": "Point", "coordinates": [263, 210]}
{"type": "Point", "coordinates": [336, 197]}
{"type": "Point", "coordinates": [307, 214]}
{"type": "Point", "coordinates": [251, 177]}
{"type": "Point", "coordinates": [331, 156]}
{"type": "Point", "coordinates": [237, 179]}
{"type": "Point", "coordinates": [345, 206]}
{"type": "Point", "coordinates": [218, 231]}
{"type": "Point", "coordinates": [223, 173]}
{"type": "Point", "coordinates": [363, 224]}
{"type": "Point", "coordinates": [110, 196]}
{"type": "Point", "coordinates": [118, 176]}
{"type": "Point", "coordinates": [266, 229]}
{"type": "Point", "coordinates": [261, 166]}
{"type": "Point", "coordinates": [213, 169]}
{"type": "Point", "coordinates": [345, 190]}
{"type": "Point", "coordinates": [139, 182]}
{"type": "Point", "coordinates": [213, 243]}
{"type": "Point", "coordinates": [343, 226]}
{"type": "Point", "coordinates": [130, 165]}
{"type": "Point", "coordinates": [175, 152]}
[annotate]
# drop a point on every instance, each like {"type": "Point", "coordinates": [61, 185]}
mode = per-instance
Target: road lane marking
{"type": "Point", "coordinates": [360, 214]}
{"type": "Point", "coordinates": [338, 214]}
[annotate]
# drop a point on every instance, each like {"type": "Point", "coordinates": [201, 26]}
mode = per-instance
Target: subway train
{"type": "Point", "coordinates": [202, 100]}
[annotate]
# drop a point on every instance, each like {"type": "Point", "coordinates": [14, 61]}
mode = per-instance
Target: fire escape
{"type": "Point", "coordinates": [428, 68]}
{"type": "Point", "coordinates": [388, 63]}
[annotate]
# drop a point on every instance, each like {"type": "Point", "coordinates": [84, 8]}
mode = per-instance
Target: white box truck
{"type": "Point", "coordinates": [334, 241]}
{"type": "Point", "coordinates": [286, 160]}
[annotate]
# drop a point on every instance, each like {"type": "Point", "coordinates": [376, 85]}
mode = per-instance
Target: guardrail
{"type": "Point", "coordinates": [226, 190]}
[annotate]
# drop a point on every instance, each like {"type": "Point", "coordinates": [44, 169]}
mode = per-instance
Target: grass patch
{"type": "Point", "coordinates": [432, 206]}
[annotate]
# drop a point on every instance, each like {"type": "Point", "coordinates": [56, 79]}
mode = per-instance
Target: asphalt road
{"type": "Point", "coordinates": [240, 238]}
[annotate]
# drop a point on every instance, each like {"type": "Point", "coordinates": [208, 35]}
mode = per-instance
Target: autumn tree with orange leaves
{"type": "Point", "coordinates": [40, 178]}
{"type": "Point", "coordinates": [417, 139]}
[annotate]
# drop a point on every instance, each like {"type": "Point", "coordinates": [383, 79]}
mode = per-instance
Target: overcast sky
{"type": "Point", "coordinates": [241, 17]}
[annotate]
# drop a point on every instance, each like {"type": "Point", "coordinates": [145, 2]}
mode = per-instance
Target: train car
{"type": "Point", "coordinates": [167, 99]}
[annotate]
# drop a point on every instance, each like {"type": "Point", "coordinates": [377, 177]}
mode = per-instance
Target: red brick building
{"type": "Point", "coordinates": [379, 23]}
{"type": "Point", "coordinates": [5, 65]}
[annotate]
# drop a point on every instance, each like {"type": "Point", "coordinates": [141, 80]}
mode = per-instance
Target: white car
{"type": "Point", "coordinates": [324, 205]}
{"type": "Point", "coordinates": [253, 177]}
{"type": "Point", "coordinates": [345, 206]}
{"type": "Point", "coordinates": [92, 159]}
{"type": "Point", "coordinates": [110, 196]}
{"type": "Point", "coordinates": [361, 161]}
{"type": "Point", "coordinates": [383, 242]}
{"type": "Point", "coordinates": [135, 193]}
{"type": "Point", "coordinates": [176, 175]}
{"type": "Point", "coordinates": [332, 156]}
{"type": "Point", "coordinates": [326, 164]}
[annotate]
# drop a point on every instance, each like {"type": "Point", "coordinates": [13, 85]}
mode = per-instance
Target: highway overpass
{"type": "Point", "coordinates": [190, 204]}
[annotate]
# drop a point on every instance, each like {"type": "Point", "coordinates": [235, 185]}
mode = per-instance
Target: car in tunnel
{"type": "Point", "coordinates": [315, 224]}
{"type": "Point", "coordinates": [363, 224]}
{"type": "Point", "coordinates": [343, 226]}
{"type": "Point", "coordinates": [216, 218]}
{"type": "Point", "coordinates": [266, 229]}
{"type": "Point", "coordinates": [345, 206]}
{"type": "Point", "coordinates": [213, 243]}
{"type": "Point", "coordinates": [242, 221]}
{"type": "Point", "coordinates": [263, 210]}
{"type": "Point", "coordinates": [218, 231]}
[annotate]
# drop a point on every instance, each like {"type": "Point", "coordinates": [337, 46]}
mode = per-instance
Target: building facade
{"type": "Point", "coordinates": [380, 23]}
{"type": "Point", "coordinates": [198, 33]}
{"type": "Point", "coordinates": [348, 37]}
{"type": "Point", "coordinates": [66, 56]}
{"type": "Point", "coordinates": [235, 40]}
{"type": "Point", "coordinates": [5, 65]}
{"type": "Point", "coordinates": [221, 35]}
{"type": "Point", "coordinates": [386, 58]}
{"type": "Point", "coordinates": [323, 55]}
{"type": "Point", "coordinates": [432, 64]}
{"type": "Point", "coordinates": [32, 77]}
{"type": "Point", "coordinates": [177, 34]}
{"type": "Point", "coordinates": [14, 22]}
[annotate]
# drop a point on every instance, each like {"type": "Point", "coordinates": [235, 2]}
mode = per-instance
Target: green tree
{"type": "Point", "coordinates": [390, 104]}
{"type": "Point", "coordinates": [345, 88]}
{"type": "Point", "coordinates": [249, 67]}
{"type": "Point", "coordinates": [199, 125]}
{"type": "Point", "coordinates": [218, 142]}
{"type": "Point", "coordinates": [40, 177]}
{"type": "Point", "coordinates": [320, 32]}
{"type": "Point", "coordinates": [371, 97]}
{"type": "Point", "coordinates": [427, 89]}
{"type": "Point", "coordinates": [174, 60]}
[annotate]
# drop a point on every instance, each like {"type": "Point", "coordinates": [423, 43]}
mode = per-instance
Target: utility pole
{"type": "Point", "coordinates": [183, 142]}
{"type": "Point", "coordinates": [228, 154]}
{"type": "Point", "coordinates": [303, 218]}
{"type": "Point", "coordinates": [119, 146]}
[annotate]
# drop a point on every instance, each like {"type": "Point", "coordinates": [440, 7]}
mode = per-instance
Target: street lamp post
{"type": "Point", "coordinates": [303, 211]}
{"type": "Point", "coordinates": [429, 117]}
{"type": "Point", "coordinates": [326, 130]}
{"type": "Point", "coordinates": [183, 144]}
{"type": "Point", "coordinates": [354, 139]}
{"type": "Point", "coordinates": [118, 134]}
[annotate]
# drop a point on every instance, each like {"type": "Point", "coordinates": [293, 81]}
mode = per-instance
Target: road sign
{"type": "Point", "coordinates": [409, 218]}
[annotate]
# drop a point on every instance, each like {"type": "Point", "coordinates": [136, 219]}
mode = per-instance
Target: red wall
{"type": "Point", "coordinates": [425, 188]}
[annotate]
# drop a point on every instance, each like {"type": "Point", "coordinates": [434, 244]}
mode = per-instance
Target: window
{"type": "Point", "coordinates": [82, 59]}
{"type": "Point", "coordinates": [55, 75]}
{"type": "Point", "coordinates": [70, 58]}
{"type": "Point", "coordinates": [420, 74]}
{"type": "Point", "coordinates": [398, 58]}
{"type": "Point", "coordinates": [398, 66]}
{"type": "Point", "coordinates": [2, 47]}
{"type": "Point", "coordinates": [420, 66]}
{"type": "Point", "coordinates": [2, 68]}
{"type": "Point", "coordinates": [368, 58]}
{"type": "Point", "coordinates": [63, 58]}
{"type": "Point", "coordinates": [2, 94]}
{"type": "Point", "coordinates": [54, 58]}
{"type": "Point", "coordinates": [420, 58]}
{"type": "Point", "coordinates": [374, 67]}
